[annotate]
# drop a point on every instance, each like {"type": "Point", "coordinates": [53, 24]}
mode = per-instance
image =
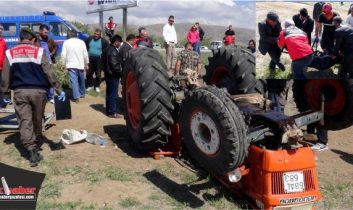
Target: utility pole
{"type": "Point", "coordinates": [124, 23]}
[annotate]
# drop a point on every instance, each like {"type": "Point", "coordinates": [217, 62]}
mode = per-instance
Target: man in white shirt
{"type": "Point", "coordinates": [170, 41]}
{"type": "Point", "coordinates": [74, 57]}
{"type": "Point", "coordinates": [349, 20]}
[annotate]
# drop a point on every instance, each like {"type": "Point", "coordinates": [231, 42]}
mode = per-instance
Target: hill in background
{"type": "Point", "coordinates": [213, 32]}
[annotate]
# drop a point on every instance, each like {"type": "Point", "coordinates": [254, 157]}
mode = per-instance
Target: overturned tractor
{"type": "Point", "coordinates": [230, 130]}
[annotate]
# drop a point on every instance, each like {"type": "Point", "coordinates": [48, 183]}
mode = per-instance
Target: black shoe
{"type": "Point", "coordinates": [34, 157]}
{"type": "Point", "coordinates": [281, 66]}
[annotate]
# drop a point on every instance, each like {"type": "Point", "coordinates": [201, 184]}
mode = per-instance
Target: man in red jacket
{"type": "Point", "coordinates": [299, 49]}
{"type": "Point", "coordinates": [2, 58]}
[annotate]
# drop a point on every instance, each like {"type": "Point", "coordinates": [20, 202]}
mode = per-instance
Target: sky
{"type": "Point", "coordinates": [213, 12]}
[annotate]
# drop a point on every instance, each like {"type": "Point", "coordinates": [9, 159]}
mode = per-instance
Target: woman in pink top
{"type": "Point", "coordinates": [194, 38]}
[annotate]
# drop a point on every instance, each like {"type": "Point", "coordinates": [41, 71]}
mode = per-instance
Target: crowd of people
{"type": "Point", "coordinates": [28, 69]}
{"type": "Point", "coordinates": [330, 31]}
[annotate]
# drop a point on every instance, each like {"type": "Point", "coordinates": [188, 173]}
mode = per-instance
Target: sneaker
{"type": "Point", "coordinates": [51, 101]}
{"type": "Point", "coordinates": [89, 88]}
{"type": "Point", "coordinates": [319, 147]}
{"type": "Point", "coordinates": [34, 157]}
{"type": "Point", "coordinates": [97, 89]}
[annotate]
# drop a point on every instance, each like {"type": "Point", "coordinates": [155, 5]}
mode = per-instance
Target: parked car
{"type": "Point", "coordinates": [58, 27]}
{"type": "Point", "coordinates": [216, 45]}
{"type": "Point", "coordinates": [204, 48]}
{"type": "Point", "coordinates": [156, 46]}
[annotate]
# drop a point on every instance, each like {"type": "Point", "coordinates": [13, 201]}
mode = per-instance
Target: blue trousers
{"type": "Point", "coordinates": [77, 80]}
{"type": "Point", "coordinates": [111, 95]}
{"type": "Point", "coordinates": [197, 47]}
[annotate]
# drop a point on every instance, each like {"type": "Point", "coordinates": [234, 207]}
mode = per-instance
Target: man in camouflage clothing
{"type": "Point", "coordinates": [187, 59]}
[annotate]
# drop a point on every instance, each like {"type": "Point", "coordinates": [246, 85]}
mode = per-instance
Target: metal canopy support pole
{"type": "Point", "coordinates": [124, 23]}
{"type": "Point", "coordinates": [101, 21]}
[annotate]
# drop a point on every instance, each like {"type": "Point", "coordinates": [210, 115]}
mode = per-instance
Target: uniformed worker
{"type": "Point", "coordinates": [187, 59]}
{"type": "Point", "coordinates": [29, 74]}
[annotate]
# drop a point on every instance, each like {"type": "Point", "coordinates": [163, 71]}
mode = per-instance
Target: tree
{"type": "Point", "coordinates": [83, 27]}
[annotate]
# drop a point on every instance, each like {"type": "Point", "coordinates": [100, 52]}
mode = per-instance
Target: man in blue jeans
{"type": "Point", "coordinates": [111, 60]}
{"type": "Point", "coordinates": [74, 57]}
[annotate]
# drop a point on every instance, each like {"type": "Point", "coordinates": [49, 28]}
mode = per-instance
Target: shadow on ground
{"type": "Point", "coordinates": [119, 135]}
{"type": "Point", "coordinates": [344, 155]}
{"type": "Point", "coordinates": [187, 193]}
{"type": "Point", "coordinates": [101, 107]}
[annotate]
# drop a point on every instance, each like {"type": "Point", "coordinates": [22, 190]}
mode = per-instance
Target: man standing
{"type": "Point", "coordinates": [200, 30]}
{"type": "Point", "coordinates": [317, 10]}
{"type": "Point", "coordinates": [349, 20]}
{"type": "Point", "coordinates": [29, 74]}
{"type": "Point", "coordinates": [170, 41]}
{"type": "Point", "coordinates": [125, 47]}
{"type": "Point", "coordinates": [110, 27]}
{"type": "Point", "coordinates": [343, 46]}
{"type": "Point", "coordinates": [112, 73]}
{"type": "Point", "coordinates": [299, 49]}
{"type": "Point", "coordinates": [95, 46]}
{"type": "Point", "coordinates": [325, 22]}
{"type": "Point", "coordinates": [304, 22]}
{"type": "Point", "coordinates": [269, 32]}
{"type": "Point", "coordinates": [50, 48]}
{"type": "Point", "coordinates": [188, 59]}
{"type": "Point", "coordinates": [74, 57]}
{"type": "Point", "coordinates": [230, 31]}
{"type": "Point", "coordinates": [2, 58]}
{"type": "Point", "coordinates": [143, 40]}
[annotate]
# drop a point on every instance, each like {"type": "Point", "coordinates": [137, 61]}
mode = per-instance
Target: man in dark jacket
{"type": "Point", "coordinates": [269, 32]}
{"type": "Point", "coordinates": [304, 22]}
{"type": "Point", "coordinates": [112, 71]}
{"type": "Point", "coordinates": [200, 30]}
{"type": "Point", "coordinates": [29, 74]}
{"type": "Point", "coordinates": [125, 47]}
{"type": "Point", "coordinates": [344, 46]}
{"type": "Point", "coordinates": [95, 46]}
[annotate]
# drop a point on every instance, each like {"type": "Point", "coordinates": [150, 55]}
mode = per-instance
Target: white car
{"type": "Point", "coordinates": [204, 48]}
{"type": "Point", "coordinates": [216, 45]}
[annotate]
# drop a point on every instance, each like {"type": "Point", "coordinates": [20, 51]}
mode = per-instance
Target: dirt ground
{"type": "Point", "coordinates": [86, 176]}
{"type": "Point", "coordinates": [286, 10]}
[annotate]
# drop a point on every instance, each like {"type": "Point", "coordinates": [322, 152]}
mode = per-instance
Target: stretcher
{"type": "Point", "coordinates": [8, 119]}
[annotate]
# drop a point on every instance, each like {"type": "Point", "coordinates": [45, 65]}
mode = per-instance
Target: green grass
{"type": "Point", "coordinates": [50, 190]}
{"type": "Point", "coordinates": [336, 195]}
{"type": "Point", "coordinates": [55, 205]}
{"type": "Point", "coordinates": [129, 202]}
{"type": "Point", "coordinates": [116, 174]}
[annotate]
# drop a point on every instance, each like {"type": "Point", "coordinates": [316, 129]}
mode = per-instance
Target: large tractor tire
{"type": "Point", "coordinates": [234, 69]}
{"type": "Point", "coordinates": [213, 130]}
{"type": "Point", "coordinates": [147, 99]}
{"type": "Point", "coordinates": [338, 109]}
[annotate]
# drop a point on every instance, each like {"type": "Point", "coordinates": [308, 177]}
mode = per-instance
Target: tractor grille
{"type": "Point", "coordinates": [278, 185]}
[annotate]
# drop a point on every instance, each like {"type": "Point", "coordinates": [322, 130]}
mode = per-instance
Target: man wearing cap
{"type": "Point", "coordinates": [325, 22]}
{"type": "Point", "coordinates": [304, 22]}
{"type": "Point", "coordinates": [29, 74]}
{"type": "Point", "coordinates": [349, 20]}
{"type": "Point", "coordinates": [343, 46]}
{"type": "Point", "coordinates": [269, 32]}
{"type": "Point", "coordinates": [299, 49]}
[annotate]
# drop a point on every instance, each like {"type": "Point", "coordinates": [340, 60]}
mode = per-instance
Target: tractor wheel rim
{"type": "Point", "coordinates": [334, 103]}
{"type": "Point", "coordinates": [205, 133]}
{"type": "Point", "coordinates": [133, 100]}
{"type": "Point", "coordinates": [219, 74]}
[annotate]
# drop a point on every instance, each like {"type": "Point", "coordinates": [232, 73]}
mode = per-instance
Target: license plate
{"type": "Point", "coordinates": [293, 182]}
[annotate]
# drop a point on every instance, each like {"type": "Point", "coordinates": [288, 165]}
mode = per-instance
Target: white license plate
{"type": "Point", "coordinates": [293, 182]}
